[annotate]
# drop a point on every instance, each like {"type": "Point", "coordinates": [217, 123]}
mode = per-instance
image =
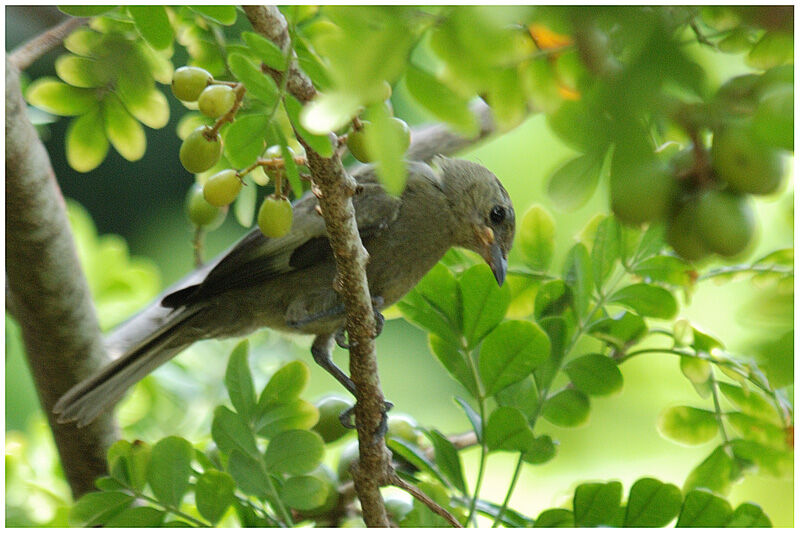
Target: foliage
{"type": "Point", "coordinates": [624, 87]}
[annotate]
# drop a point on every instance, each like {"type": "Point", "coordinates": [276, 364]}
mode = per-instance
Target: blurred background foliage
{"type": "Point", "coordinates": [134, 240]}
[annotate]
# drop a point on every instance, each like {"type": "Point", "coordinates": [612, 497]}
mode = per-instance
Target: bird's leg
{"type": "Point", "coordinates": [322, 350]}
{"type": "Point", "coordinates": [341, 333]}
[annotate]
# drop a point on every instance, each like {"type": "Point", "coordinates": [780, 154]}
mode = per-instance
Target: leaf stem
{"type": "Point", "coordinates": [484, 448]}
{"type": "Point", "coordinates": [514, 480]}
{"type": "Point", "coordinates": [166, 507]}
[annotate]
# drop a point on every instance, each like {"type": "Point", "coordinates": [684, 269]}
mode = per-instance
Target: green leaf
{"type": "Point", "coordinates": [652, 503]}
{"type": "Point", "coordinates": [555, 518]}
{"type": "Point", "coordinates": [329, 111]}
{"type": "Point", "coordinates": [59, 98]}
{"type": "Point", "coordinates": [276, 418]}
{"type": "Point", "coordinates": [386, 142]}
{"type": "Point", "coordinates": [249, 474]}
{"type": "Point", "coordinates": [573, 183]}
{"type": "Point", "coordinates": [150, 107]}
{"type": "Point", "coordinates": [415, 456]}
{"type": "Point", "coordinates": [507, 97]}
{"type": "Point", "coordinates": [776, 462]}
{"type": "Point", "coordinates": [665, 269]}
{"type": "Point", "coordinates": [703, 509]}
{"type": "Point", "coordinates": [125, 133]}
{"type": "Point", "coordinates": [541, 451]}
{"type": "Point", "coordinates": [304, 492]}
{"type": "Point", "coordinates": [647, 300]}
{"type": "Point", "coordinates": [292, 173]}
{"type": "Point", "coordinates": [483, 302]}
{"type": "Point", "coordinates": [245, 206]}
{"type": "Point", "coordinates": [622, 330]}
{"type": "Point", "coordinates": [695, 369]}
{"type": "Point", "coordinates": [441, 101]}
{"type": "Point", "coordinates": [128, 462]}
{"type": "Point", "coordinates": [757, 429]}
{"type": "Point", "coordinates": [213, 494]}
{"type": "Point", "coordinates": [595, 374]}
{"type": "Point", "coordinates": [523, 395]}
{"type": "Point", "coordinates": [83, 42]}
{"type": "Point", "coordinates": [266, 50]}
{"type": "Point", "coordinates": [153, 24]}
{"type": "Point", "coordinates": [137, 517]}
{"type": "Point", "coordinates": [453, 360]}
{"type": "Point", "coordinates": [749, 515]}
{"type": "Point", "coordinates": [85, 11]}
{"type": "Point", "coordinates": [473, 417]}
{"type": "Point", "coordinates": [259, 85]}
{"type": "Point", "coordinates": [605, 250]}
{"type": "Point", "coordinates": [536, 237]}
{"type": "Point", "coordinates": [578, 276]}
{"type": "Point", "coordinates": [86, 142]}
{"type": "Point", "coordinates": [108, 484]}
{"type": "Point", "coordinates": [552, 299]}
{"type": "Point", "coordinates": [80, 71]}
{"type": "Point", "coordinates": [703, 342]}
{"type": "Point", "coordinates": [285, 385]}
{"type": "Point", "coordinates": [169, 469]}
{"type": "Point", "coordinates": [231, 432]}
{"type": "Point", "coordinates": [567, 408]}
{"type": "Point", "coordinates": [319, 143]}
{"type": "Point", "coordinates": [244, 139]}
{"type": "Point", "coordinates": [95, 508]}
{"type": "Point", "coordinates": [239, 381]}
{"type": "Point", "coordinates": [597, 504]}
{"type": "Point", "coordinates": [508, 430]}
{"type": "Point", "coordinates": [225, 15]}
{"type": "Point", "coordinates": [296, 452]}
{"type": "Point", "coordinates": [773, 49]}
{"type": "Point", "coordinates": [751, 402]}
{"type": "Point", "coordinates": [688, 425]}
{"type": "Point", "coordinates": [510, 352]}
{"type": "Point", "coordinates": [714, 473]}
{"type": "Point", "coordinates": [435, 305]}
{"type": "Point", "coordinates": [448, 460]}
{"type": "Point", "coordinates": [557, 330]}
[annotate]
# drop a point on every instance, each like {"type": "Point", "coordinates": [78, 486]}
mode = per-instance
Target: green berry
{"type": "Point", "coordinates": [641, 193]}
{"type": "Point", "coordinates": [403, 427]}
{"type": "Point", "coordinates": [683, 234]}
{"type": "Point", "coordinates": [189, 82]}
{"type": "Point", "coordinates": [328, 477]}
{"type": "Point", "coordinates": [329, 426]}
{"type": "Point", "coordinates": [402, 131]}
{"type": "Point", "coordinates": [356, 143]}
{"type": "Point", "coordinates": [774, 117]}
{"type": "Point", "coordinates": [744, 161]}
{"type": "Point", "coordinates": [347, 457]}
{"type": "Point", "coordinates": [200, 212]}
{"type": "Point", "coordinates": [275, 217]}
{"type": "Point", "coordinates": [216, 100]}
{"type": "Point", "coordinates": [198, 153]}
{"type": "Point", "coordinates": [222, 188]}
{"type": "Point", "coordinates": [725, 221]}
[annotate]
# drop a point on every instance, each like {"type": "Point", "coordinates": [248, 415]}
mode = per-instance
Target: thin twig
{"type": "Point", "coordinates": [397, 481]}
{"type": "Point", "coordinates": [27, 53]}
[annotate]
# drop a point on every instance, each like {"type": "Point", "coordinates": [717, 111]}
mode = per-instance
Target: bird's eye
{"type": "Point", "coordinates": [497, 214]}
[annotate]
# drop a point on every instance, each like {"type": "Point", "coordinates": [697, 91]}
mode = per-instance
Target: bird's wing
{"type": "Point", "coordinates": [257, 258]}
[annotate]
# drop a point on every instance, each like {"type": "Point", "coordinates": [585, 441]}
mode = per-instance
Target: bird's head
{"type": "Point", "coordinates": [484, 212]}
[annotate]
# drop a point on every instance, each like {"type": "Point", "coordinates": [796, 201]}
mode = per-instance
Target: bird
{"type": "Point", "coordinates": [287, 283]}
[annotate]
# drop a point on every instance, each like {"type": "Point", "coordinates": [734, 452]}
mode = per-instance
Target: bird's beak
{"type": "Point", "coordinates": [498, 263]}
{"type": "Point", "coordinates": [492, 253]}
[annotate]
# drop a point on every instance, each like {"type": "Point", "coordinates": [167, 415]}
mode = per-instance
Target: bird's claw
{"type": "Point", "coordinates": [341, 334]}
{"type": "Point", "coordinates": [346, 419]}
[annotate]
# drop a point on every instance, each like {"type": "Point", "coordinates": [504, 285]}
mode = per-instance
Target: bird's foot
{"type": "Point", "coordinates": [341, 334]}
{"type": "Point", "coordinates": [346, 419]}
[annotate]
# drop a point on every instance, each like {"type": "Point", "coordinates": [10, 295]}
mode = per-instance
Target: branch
{"type": "Point", "coordinates": [397, 481]}
{"type": "Point", "coordinates": [49, 294]}
{"type": "Point", "coordinates": [25, 54]}
{"type": "Point", "coordinates": [337, 188]}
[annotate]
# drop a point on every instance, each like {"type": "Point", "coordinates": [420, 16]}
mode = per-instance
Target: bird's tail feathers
{"type": "Point", "coordinates": [88, 399]}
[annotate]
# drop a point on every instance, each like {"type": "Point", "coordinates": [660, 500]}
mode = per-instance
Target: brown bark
{"type": "Point", "coordinates": [49, 294]}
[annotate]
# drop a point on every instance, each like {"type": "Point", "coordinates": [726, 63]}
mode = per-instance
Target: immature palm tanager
{"type": "Point", "coordinates": [286, 283]}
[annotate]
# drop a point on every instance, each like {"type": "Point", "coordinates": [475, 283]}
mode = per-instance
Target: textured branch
{"type": "Point", "coordinates": [25, 54]}
{"type": "Point", "coordinates": [337, 187]}
{"type": "Point", "coordinates": [49, 294]}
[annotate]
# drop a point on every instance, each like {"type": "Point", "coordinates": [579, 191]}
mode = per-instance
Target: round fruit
{"type": "Point", "coordinates": [356, 143]}
{"type": "Point", "coordinates": [397, 508]}
{"type": "Point", "coordinates": [222, 188]}
{"type": "Point", "coordinates": [774, 117]}
{"type": "Point", "coordinates": [347, 457]}
{"type": "Point", "coordinates": [641, 192]}
{"type": "Point", "coordinates": [402, 131]}
{"type": "Point", "coordinates": [201, 213]}
{"type": "Point", "coordinates": [198, 153]}
{"type": "Point", "coordinates": [189, 82]}
{"type": "Point", "coordinates": [403, 427]}
{"type": "Point", "coordinates": [216, 100]}
{"type": "Point", "coordinates": [683, 235]}
{"type": "Point", "coordinates": [329, 426]}
{"type": "Point", "coordinates": [725, 222]}
{"type": "Point", "coordinates": [744, 161]}
{"type": "Point", "coordinates": [275, 217]}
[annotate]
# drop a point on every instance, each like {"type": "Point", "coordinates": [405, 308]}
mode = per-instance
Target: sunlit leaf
{"type": "Point", "coordinates": [86, 141]}
{"type": "Point", "coordinates": [153, 24]}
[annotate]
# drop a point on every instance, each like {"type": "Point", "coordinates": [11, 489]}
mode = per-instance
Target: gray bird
{"type": "Point", "coordinates": [286, 283]}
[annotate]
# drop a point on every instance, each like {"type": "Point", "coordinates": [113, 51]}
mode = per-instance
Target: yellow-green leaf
{"type": "Point", "coordinates": [86, 141]}
{"type": "Point", "coordinates": [125, 133]}
{"type": "Point", "coordinates": [59, 98]}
